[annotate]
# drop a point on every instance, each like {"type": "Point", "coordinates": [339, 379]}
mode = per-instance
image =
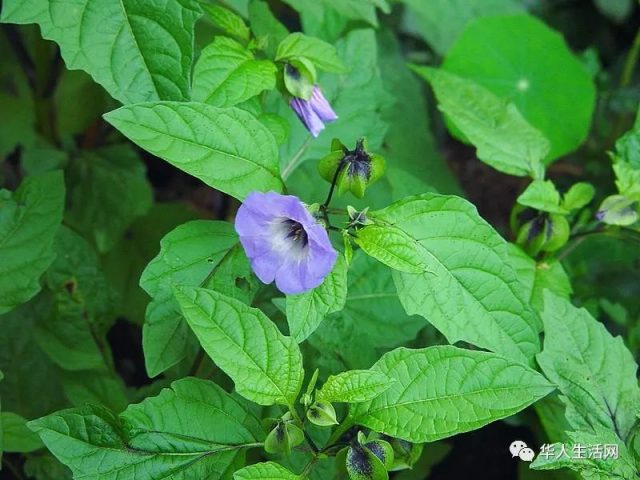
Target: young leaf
{"type": "Point", "coordinates": [17, 437]}
{"type": "Point", "coordinates": [393, 247]}
{"type": "Point", "coordinates": [193, 430]}
{"type": "Point", "coordinates": [193, 254]}
{"type": "Point", "coordinates": [322, 54]}
{"type": "Point", "coordinates": [442, 391]}
{"type": "Point", "coordinates": [306, 311]}
{"type": "Point", "coordinates": [593, 370]}
{"type": "Point", "coordinates": [542, 195]}
{"type": "Point", "coordinates": [504, 139]}
{"type": "Point", "coordinates": [578, 196]}
{"type": "Point", "coordinates": [469, 293]}
{"type": "Point", "coordinates": [354, 386]}
{"type": "Point", "coordinates": [265, 365]}
{"type": "Point", "coordinates": [264, 471]}
{"type": "Point", "coordinates": [227, 21]}
{"type": "Point", "coordinates": [138, 51]}
{"type": "Point", "coordinates": [227, 74]}
{"type": "Point", "coordinates": [266, 26]}
{"type": "Point", "coordinates": [228, 149]}
{"type": "Point", "coordinates": [29, 220]}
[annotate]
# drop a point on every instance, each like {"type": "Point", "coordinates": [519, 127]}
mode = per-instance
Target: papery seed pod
{"type": "Point", "coordinates": [283, 437]}
{"type": "Point", "coordinates": [406, 454]}
{"type": "Point", "coordinates": [363, 464]}
{"type": "Point", "coordinates": [322, 414]}
{"type": "Point", "coordinates": [383, 450]}
{"type": "Point", "coordinates": [618, 210]}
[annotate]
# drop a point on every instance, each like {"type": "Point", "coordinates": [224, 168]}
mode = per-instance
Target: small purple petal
{"type": "Point", "coordinates": [307, 115]}
{"type": "Point", "coordinates": [284, 242]}
{"type": "Point", "coordinates": [600, 215]}
{"type": "Point", "coordinates": [321, 106]}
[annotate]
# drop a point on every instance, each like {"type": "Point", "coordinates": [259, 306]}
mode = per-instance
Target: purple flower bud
{"type": "Point", "coordinates": [284, 242]}
{"type": "Point", "coordinates": [315, 112]}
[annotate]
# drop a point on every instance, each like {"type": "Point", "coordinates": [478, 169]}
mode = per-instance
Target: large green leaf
{"type": "Point", "coordinates": [393, 247]}
{"type": "Point", "coordinates": [504, 139]}
{"type": "Point", "coordinates": [520, 59]}
{"type": "Point", "coordinates": [228, 149]}
{"type": "Point", "coordinates": [442, 391]}
{"type": "Point", "coordinates": [469, 292]}
{"type": "Point", "coordinates": [593, 370]}
{"type": "Point", "coordinates": [265, 471]}
{"type": "Point", "coordinates": [440, 22]}
{"type": "Point", "coordinates": [193, 430]}
{"type": "Point", "coordinates": [17, 437]}
{"type": "Point", "coordinates": [108, 189]}
{"type": "Point", "coordinates": [29, 220]}
{"type": "Point", "coordinates": [306, 311]}
{"type": "Point", "coordinates": [265, 365]}
{"type": "Point", "coordinates": [323, 55]}
{"type": "Point", "coordinates": [194, 254]}
{"type": "Point", "coordinates": [138, 51]}
{"type": "Point", "coordinates": [354, 386]}
{"type": "Point", "coordinates": [227, 74]}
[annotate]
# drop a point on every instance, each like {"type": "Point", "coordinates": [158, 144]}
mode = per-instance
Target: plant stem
{"type": "Point", "coordinates": [631, 61]}
{"type": "Point", "coordinates": [308, 467]}
{"type": "Point", "coordinates": [293, 164]}
{"type": "Point", "coordinates": [338, 432]}
{"type": "Point", "coordinates": [310, 441]}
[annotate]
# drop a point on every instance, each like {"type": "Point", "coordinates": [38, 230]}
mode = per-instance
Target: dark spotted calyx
{"type": "Point", "coordinates": [362, 464]}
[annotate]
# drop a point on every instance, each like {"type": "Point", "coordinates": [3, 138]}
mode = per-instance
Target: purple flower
{"type": "Point", "coordinates": [284, 242]}
{"type": "Point", "coordinates": [315, 112]}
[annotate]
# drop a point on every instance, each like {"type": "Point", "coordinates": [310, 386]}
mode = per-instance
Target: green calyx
{"type": "Point", "coordinates": [539, 231]}
{"type": "Point", "coordinates": [352, 170]}
{"type": "Point", "coordinates": [283, 438]}
{"type": "Point", "coordinates": [322, 414]}
{"type": "Point", "coordinates": [299, 77]}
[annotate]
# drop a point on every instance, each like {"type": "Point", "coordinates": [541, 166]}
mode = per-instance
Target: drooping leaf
{"type": "Point", "coordinates": [193, 254]}
{"type": "Point", "coordinates": [228, 149]}
{"type": "Point", "coordinates": [542, 195]}
{"type": "Point", "coordinates": [593, 370]}
{"type": "Point", "coordinates": [29, 220]}
{"type": "Point", "coordinates": [264, 471]}
{"type": "Point", "coordinates": [442, 391]}
{"type": "Point", "coordinates": [227, 74]}
{"type": "Point", "coordinates": [17, 437]}
{"type": "Point", "coordinates": [138, 51]}
{"type": "Point", "coordinates": [322, 54]}
{"type": "Point", "coordinates": [108, 190]}
{"type": "Point", "coordinates": [228, 21]}
{"type": "Point", "coordinates": [306, 311]}
{"type": "Point", "coordinates": [193, 430]}
{"type": "Point", "coordinates": [469, 292]}
{"type": "Point", "coordinates": [354, 386]}
{"type": "Point", "coordinates": [265, 365]}
{"type": "Point", "coordinates": [520, 59]}
{"type": "Point", "coordinates": [503, 138]}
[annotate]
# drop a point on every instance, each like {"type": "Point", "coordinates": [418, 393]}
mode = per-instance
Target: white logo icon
{"type": "Point", "coordinates": [520, 449]}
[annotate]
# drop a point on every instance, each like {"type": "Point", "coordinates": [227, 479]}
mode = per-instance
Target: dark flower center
{"type": "Point", "coordinates": [296, 232]}
{"type": "Point", "coordinates": [292, 71]}
{"type": "Point", "coordinates": [358, 162]}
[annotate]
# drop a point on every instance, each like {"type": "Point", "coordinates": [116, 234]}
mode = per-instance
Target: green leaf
{"type": "Point", "coordinates": [578, 196]}
{"type": "Point", "coordinates": [193, 254]}
{"type": "Point", "coordinates": [593, 370]}
{"type": "Point", "coordinates": [107, 191]}
{"type": "Point", "coordinates": [266, 26]}
{"type": "Point", "coordinates": [138, 51]}
{"type": "Point", "coordinates": [322, 54]}
{"type": "Point", "coordinates": [29, 219]}
{"type": "Point", "coordinates": [228, 149]}
{"type": "Point", "coordinates": [542, 195]}
{"type": "Point", "coordinates": [371, 322]}
{"type": "Point", "coordinates": [618, 210]}
{"type": "Point", "coordinates": [44, 466]}
{"type": "Point", "coordinates": [440, 22]}
{"type": "Point", "coordinates": [354, 386]}
{"type": "Point", "coordinates": [264, 471]}
{"type": "Point", "coordinates": [442, 391]}
{"type": "Point", "coordinates": [393, 247]}
{"type": "Point", "coordinates": [616, 10]}
{"type": "Point", "coordinates": [17, 437]}
{"type": "Point", "coordinates": [265, 365]}
{"type": "Point", "coordinates": [306, 311]}
{"type": "Point", "coordinates": [622, 467]}
{"type": "Point", "coordinates": [227, 21]}
{"type": "Point", "coordinates": [227, 74]}
{"type": "Point", "coordinates": [469, 293]}
{"type": "Point", "coordinates": [512, 56]}
{"type": "Point", "coordinates": [503, 138]}
{"type": "Point", "coordinates": [193, 430]}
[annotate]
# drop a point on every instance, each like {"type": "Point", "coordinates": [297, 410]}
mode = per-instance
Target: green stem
{"type": "Point", "coordinates": [295, 161]}
{"type": "Point", "coordinates": [338, 432]}
{"type": "Point", "coordinates": [308, 467]}
{"type": "Point", "coordinates": [631, 61]}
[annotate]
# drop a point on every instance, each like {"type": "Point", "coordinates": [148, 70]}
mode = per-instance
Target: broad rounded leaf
{"type": "Point", "coordinates": [29, 220]}
{"type": "Point", "coordinates": [520, 59]}
{"type": "Point", "coordinates": [137, 50]}
{"type": "Point", "coordinates": [442, 391]}
{"type": "Point", "coordinates": [323, 55]}
{"type": "Point", "coordinates": [227, 74]}
{"type": "Point", "coordinates": [228, 149]}
{"type": "Point", "coordinates": [193, 430]}
{"type": "Point", "coordinates": [265, 365]}
{"type": "Point", "coordinates": [470, 292]}
{"type": "Point", "coordinates": [354, 386]}
{"type": "Point", "coordinates": [264, 471]}
{"type": "Point", "coordinates": [393, 247]}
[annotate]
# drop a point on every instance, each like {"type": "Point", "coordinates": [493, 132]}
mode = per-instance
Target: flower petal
{"type": "Point", "coordinates": [307, 116]}
{"type": "Point", "coordinates": [321, 106]}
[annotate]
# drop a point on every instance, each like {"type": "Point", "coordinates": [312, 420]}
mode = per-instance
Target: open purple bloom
{"type": "Point", "coordinates": [284, 242]}
{"type": "Point", "coordinates": [315, 112]}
